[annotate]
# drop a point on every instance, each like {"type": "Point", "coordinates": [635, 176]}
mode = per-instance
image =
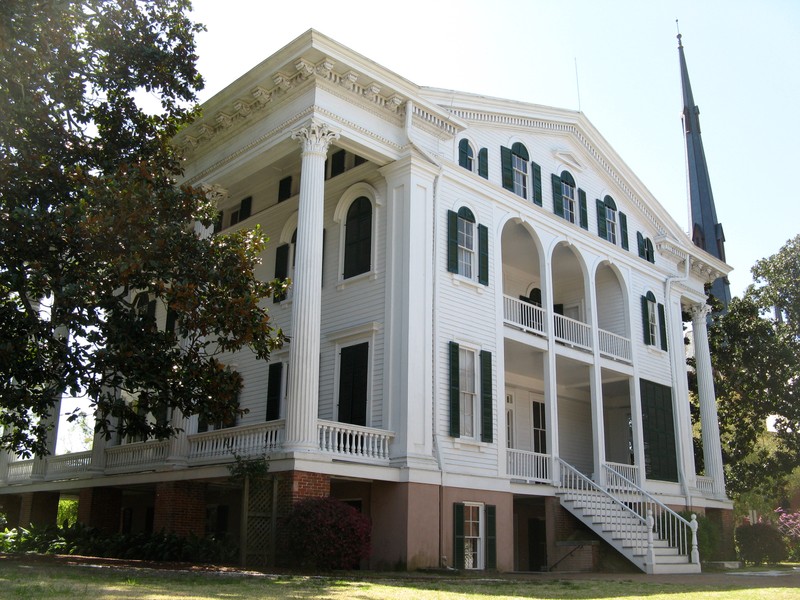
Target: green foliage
{"type": "Point", "coordinates": [67, 512]}
{"type": "Point", "coordinates": [760, 543]}
{"type": "Point", "coordinates": [756, 362]}
{"type": "Point", "coordinates": [91, 217]}
{"type": "Point", "coordinates": [247, 467]}
{"type": "Point", "coordinates": [325, 533]}
{"type": "Point", "coordinates": [708, 536]}
{"type": "Point", "coordinates": [88, 541]}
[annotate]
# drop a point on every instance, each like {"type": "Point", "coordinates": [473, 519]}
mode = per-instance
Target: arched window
{"type": "Point", "coordinates": [654, 321]}
{"type": "Point", "coordinates": [358, 238]}
{"type": "Point", "coordinates": [466, 242]}
{"type": "Point", "coordinates": [568, 196]}
{"type": "Point", "coordinates": [515, 169]}
{"type": "Point", "coordinates": [610, 218]}
{"type": "Point", "coordinates": [466, 155]}
{"type": "Point", "coordinates": [467, 246]}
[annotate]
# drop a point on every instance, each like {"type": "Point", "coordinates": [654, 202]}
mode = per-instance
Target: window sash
{"type": "Point", "coordinates": [467, 391]}
{"type": "Point", "coordinates": [473, 537]}
{"type": "Point", "coordinates": [466, 247]}
{"type": "Point", "coordinates": [611, 225]}
{"type": "Point", "coordinates": [652, 321]}
{"type": "Point", "coordinates": [520, 169]}
{"type": "Point", "coordinates": [568, 200]}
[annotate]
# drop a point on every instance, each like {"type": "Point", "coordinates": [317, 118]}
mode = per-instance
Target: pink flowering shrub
{"type": "Point", "coordinates": [789, 525]}
{"type": "Point", "coordinates": [325, 533]}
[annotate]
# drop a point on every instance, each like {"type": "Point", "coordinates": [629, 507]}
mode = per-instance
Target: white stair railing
{"type": "Point", "coordinates": [667, 524]}
{"type": "Point", "coordinates": [628, 525]}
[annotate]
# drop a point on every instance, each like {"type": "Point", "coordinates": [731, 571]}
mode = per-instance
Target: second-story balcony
{"type": "Point", "coordinates": [533, 319]}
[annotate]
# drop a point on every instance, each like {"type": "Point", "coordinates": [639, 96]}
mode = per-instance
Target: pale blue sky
{"type": "Point", "coordinates": [743, 58]}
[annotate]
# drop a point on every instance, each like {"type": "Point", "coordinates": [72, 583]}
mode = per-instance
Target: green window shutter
{"type": "Point", "coordinates": [646, 322]}
{"type": "Point", "coordinates": [601, 219]}
{"type": "Point", "coordinates": [640, 244]}
{"type": "Point", "coordinates": [281, 267]}
{"type": "Point", "coordinates": [458, 535]}
{"type": "Point", "coordinates": [245, 207]}
{"type": "Point", "coordinates": [491, 536]}
{"type": "Point", "coordinates": [558, 204]}
{"type": "Point", "coordinates": [285, 189]}
{"type": "Point", "coordinates": [536, 173]}
{"type": "Point", "coordinates": [274, 376]}
{"type": "Point", "coordinates": [483, 163]}
{"type": "Point", "coordinates": [487, 424]}
{"type": "Point", "coordinates": [463, 153]}
{"type": "Point", "coordinates": [452, 241]}
{"type": "Point", "coordinates": [358, 238]}
{"type": "Point", "coordinates": [455, 392]}
{"type": "Point", "coordinates": [584, 211]}
{"type": "Point", "coordinates": [623, 230]}
{"type": "Point", "coordinates": [483, 254]}
{"type": "Point", "coordinates": [508, 171]}
{"type": "Point", "coordinates": [662, 326]}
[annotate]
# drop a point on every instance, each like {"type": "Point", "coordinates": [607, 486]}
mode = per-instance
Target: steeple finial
{"type": "Point", "coordinates": [680, 43]}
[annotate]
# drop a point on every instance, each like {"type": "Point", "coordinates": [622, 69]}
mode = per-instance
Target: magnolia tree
{"type": "Point", "coordinates": [97, 242]}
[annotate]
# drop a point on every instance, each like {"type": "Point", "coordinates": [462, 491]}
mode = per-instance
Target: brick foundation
{"type": "Point", "coordinates": [180, 508]}
{"type": "Point", "coordinates": [38, 508]}
{"type": "Point", "coordinates": [725, 522]}
{"type": "Point", "coordinates": [100, 507]}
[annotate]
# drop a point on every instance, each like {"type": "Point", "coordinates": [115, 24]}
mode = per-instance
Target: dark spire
{"type": "Point", "coordinates": [706, 231]}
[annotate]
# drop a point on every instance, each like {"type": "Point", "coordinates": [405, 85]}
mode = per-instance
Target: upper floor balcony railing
{"type": "Point", "coordinates": [533, 319]}
{"type": "Point", "coordinates": [341, 441]}
{"type": "Point", "coordinates": [524, 315]}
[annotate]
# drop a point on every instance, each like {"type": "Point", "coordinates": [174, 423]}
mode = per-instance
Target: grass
{"type": "Point", "coordinates": [36, 579]}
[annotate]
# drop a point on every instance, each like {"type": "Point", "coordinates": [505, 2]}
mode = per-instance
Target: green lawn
{"type": "Point", "coordinates": [36, 579]}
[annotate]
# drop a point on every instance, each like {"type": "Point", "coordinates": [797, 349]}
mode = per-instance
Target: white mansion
{"type": "Point", "coordinates": [487, 335]}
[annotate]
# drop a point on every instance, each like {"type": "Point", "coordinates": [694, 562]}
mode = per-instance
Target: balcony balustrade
{"type": "Point", "coordinates": [524, 315]}
{"type": "Point", "coordinates": [572, 332]}
{"type": "Point", "coordinates": [354, 442]}
{"type": "Point", "coordinates": [530, 466]}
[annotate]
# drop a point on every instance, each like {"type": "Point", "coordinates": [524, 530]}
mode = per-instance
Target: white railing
{"type": "Point", "coordinates": [573, 332]}
{"type": "Point", "coordinates": [524, 314]}
{"type": "Point", "coordinates": [19, 470]}
{"type": "Point", "coordinates": [614, 345]}
{"type": "Point", "coordinates": [63, 466]}
{"type": "Point", "coordinates": [667, 524]}
{"type": "Point", "coordinates": [354, 441]}
{"type": "Point", "coordinates": [705, 484]}
{"type": "Point", "coordinates": [629, 472]}
{"type": "Point", "coordinates": [248, 441]}
{"type": "Point", "coordinates": [531, 466]}
{"type": "Point", "coordinates": [139, 456]}
{"type": "Point", "coordinates": [626, 523]}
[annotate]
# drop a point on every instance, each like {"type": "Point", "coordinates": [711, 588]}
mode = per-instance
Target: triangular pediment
{"type": "Point", "coordinates": [569, 159]}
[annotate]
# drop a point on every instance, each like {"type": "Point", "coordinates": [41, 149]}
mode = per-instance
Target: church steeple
{"type": "Point", "coordinates": [706, 230]}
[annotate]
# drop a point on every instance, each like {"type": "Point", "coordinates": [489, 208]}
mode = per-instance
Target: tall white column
{"type": "Point", "coordinates": [303, 384]}
{"type": "Point", "coordinates": [712, 451]}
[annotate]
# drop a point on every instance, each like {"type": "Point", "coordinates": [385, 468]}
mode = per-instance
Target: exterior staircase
{"type": "Point", "coordinates": [645, 531]}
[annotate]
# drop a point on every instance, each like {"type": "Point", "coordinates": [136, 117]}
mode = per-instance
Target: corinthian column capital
{"type": "Point", "coordinates": [699, 312]}
{"type": "Point", "coordinates": [315, 137]}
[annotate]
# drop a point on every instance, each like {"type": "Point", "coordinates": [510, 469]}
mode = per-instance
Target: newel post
{"type": "Point", "coordinates": [695, 552]}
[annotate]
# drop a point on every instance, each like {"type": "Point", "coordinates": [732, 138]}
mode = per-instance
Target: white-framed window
{"type": "Point", "coordinates": [471, 396]}
{"type": "Point", "coordinates": [519, 165]}
{"type": "Point", "coordinates": [473, 536]}
{"type": "Point", "coordinates": [568, 199]}
{"type": "Point", "coordinates": [467, 246]}
{"type": "Point", "coordinates": [357, 215]}
{"type": "Point", "coordinates": [468, 391]}
{"type": "Point", "coordinates": [466, 243]}
{"type": "Point", "coordinates": [654, 321]}
{"type": "Point", "coordinates": [611, 224]}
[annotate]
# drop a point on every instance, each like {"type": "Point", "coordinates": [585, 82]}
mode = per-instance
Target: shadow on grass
{"type": "Point", "coordinates": [43, 578]}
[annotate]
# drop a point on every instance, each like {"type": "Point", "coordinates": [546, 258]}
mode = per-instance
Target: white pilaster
{"type": "Point", "coordinates": [550, 379]}
{"type": "Point", "coordinates": [712, 451]}
{"type": "Point", "coordinates": [303, 385]}
{"type": "Point", "coordinates": [596, 390]}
